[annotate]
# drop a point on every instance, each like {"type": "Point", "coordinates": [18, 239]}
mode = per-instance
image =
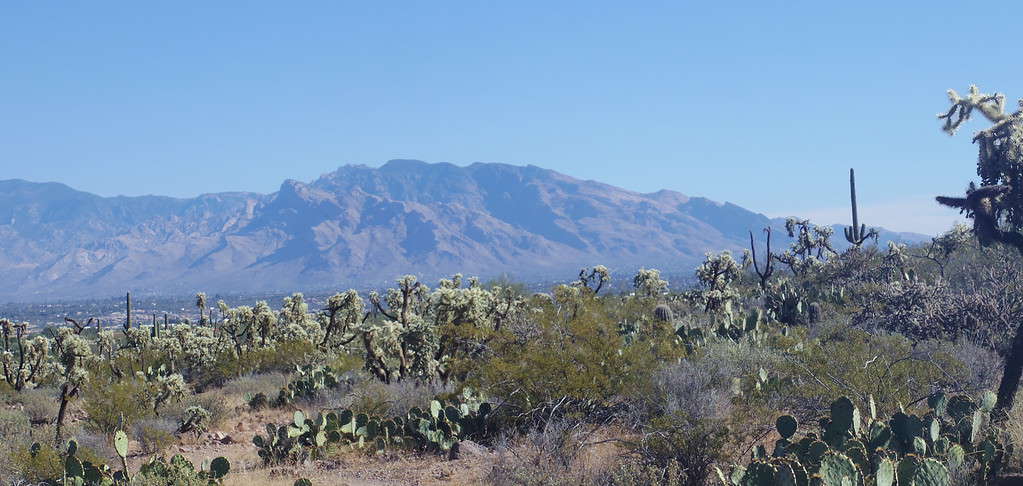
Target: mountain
{"type": "Point", "coordinates": [356, 226]}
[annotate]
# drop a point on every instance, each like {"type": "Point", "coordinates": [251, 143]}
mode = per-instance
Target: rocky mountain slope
{"type": "Point", "coordinates": [357, 226]}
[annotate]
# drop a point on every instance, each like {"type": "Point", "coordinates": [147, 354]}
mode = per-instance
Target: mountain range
{"type": "Point", "coordinates": [357, 226]}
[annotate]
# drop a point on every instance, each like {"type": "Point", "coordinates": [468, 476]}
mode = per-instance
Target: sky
{"type": "Point", "coordinates": [763, 104]}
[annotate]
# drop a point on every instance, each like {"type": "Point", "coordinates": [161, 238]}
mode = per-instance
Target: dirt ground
{"type": "Point", "coordinates": [233, 440]}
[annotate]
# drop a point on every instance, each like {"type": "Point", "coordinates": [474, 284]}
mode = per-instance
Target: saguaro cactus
{"type": "Point", "coordinates": [857, 234]}
{"type": "Point", "coordinates": [127, 311]}
{"type": "Point", "coordinates": [768, 270]}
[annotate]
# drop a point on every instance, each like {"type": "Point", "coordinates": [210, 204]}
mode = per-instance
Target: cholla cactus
{"type": "Point", "coordinates": [195, 420]}
{"type": "Point", "coordinates": [594, 279]}
{"type": "Point", "coordinates": [811, 248]}
{"type": "Point", "coordinates": [72, 352]}
{"type": "Point", "coordinates": [22, 359]}
{"type": "Point", "coordinates": [997, 206]}
{"type": "Point", "coordinates": [895, 261]}
{"type": "Point", "coordinates": [197, 346]}
{"type": "Point", "coordinates": [999, 202]}
{"type": "Point", "coordinates": [200, 303]}
{"type": "Point", "coordinates": [648, 283]}
{"type": "Point", "coordinates": [162, 386]}
{"type": "Point", "coordinates": [265, 322]}
{"type": "Point", "coordinates": [344, 311]}
{"type": "Point", "coordinates": [717, 274]}
{"type": "Point", "coordinates": [403, 345]}
{"type": "Point", "coordinates": [421, 332]}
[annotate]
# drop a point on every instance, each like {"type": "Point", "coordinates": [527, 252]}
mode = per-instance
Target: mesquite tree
{"type": "Point", "coordinates": [996, 207]}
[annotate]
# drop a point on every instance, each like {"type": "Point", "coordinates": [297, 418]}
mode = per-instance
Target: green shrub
{"type": "Point", "coordinates": [847, 361]}
{"type": "Point", "coordinates": [283, 356]}
{"type": "Point", "coordinates": [570, 363]}
{"type": "Point", "coordinates": [111, 406]}
{"type": "Point", "coordinates": [14, 429]}
{"type": "Point", "coordinates": [43, 465]}
{"type": "Point", "coordinates": [155, 435]}
{"type": "Point", "coordinates": [249, 385]}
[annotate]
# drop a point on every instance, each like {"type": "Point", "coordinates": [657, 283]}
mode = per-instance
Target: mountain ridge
{"type": "Point", "coordinates": [356, 225]}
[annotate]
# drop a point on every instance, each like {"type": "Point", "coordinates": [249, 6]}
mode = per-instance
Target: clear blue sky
{"type": "Point", "coordinates": [765, 104]}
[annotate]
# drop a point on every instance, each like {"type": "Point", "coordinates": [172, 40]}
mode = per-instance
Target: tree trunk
{"type": "Point", "coordinates": [60, 413]}
{"type": "Point", "coordinates": [1011, 375]}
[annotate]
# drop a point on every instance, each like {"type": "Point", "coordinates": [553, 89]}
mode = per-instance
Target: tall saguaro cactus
{"type": "Point", "coordinates": [857, 234]}
{"type": "Point", "coordinates": [997, 206]}
{"type": "Point", "coordinates": [127, 311]}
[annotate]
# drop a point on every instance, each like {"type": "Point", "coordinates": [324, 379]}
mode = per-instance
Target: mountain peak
{"type": "Point", "coordinates": [353, 226]}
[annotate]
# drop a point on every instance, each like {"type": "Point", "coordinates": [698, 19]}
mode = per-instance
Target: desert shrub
{"type": "Point", "coordinates": [13, 424]}
{"type": "Point", "coordinates": [636, 473]}
{"type": "Point", "coordinates": [39, 404]}
{"type": "Point", "coordinates": [112, 406]}
{"type": "Point", "coordinates": [980, 301]}
{"type": "Point", "coordinates": [695, 387]}
{"type": "Point", "coordinates": [250, 384]}
{"type": "Point", "coordinates": [212, 402]}
{"type": "Point", "coordinates": [373, 397]}
{"type": "Point", "coordinates": [37, 467]}
{"type": "Point", "coordinates": [845, 361]}
{"type": "Point", "coordinates": [154, 435]}
{"type": "Point", "coordinates": [14, 429]}
{"type": "Point", "coordinates": [344, 362]}
{"type": "Point", "coordinates": [548, 455]}
{"type": "Point", "coordinates": [574, 360]}
{"type": "Point", "coordinates": [282, 357]}
{"type": "Point", "coordinates": [688, 445]}
{"type": "Point", "coordinates": [47, 462]}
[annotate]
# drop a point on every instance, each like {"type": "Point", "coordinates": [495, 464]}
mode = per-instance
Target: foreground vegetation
{"type": "Point", "coordinates": [884, 366]}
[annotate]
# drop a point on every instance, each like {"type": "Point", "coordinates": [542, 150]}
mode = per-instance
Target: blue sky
{"type": "Point", "coordinates": [764, 104]}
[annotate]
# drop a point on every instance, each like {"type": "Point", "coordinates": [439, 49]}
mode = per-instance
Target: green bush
{"type": "Point", "coordinates": [570, 363]}
{"type": "Point", "coordinates": [848, 361]}
{"type": "Point", "coordinates": [43, 465]}
{"type": "Point", "coordinates": [155, 435]}
{"type": "Point", "coordinates": [111, 406]}
{"type": "Point", "coordinates": [283, 356]}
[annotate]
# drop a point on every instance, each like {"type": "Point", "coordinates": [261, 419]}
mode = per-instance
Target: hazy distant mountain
{"type": "Point", "coordinates": [355, 226]}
